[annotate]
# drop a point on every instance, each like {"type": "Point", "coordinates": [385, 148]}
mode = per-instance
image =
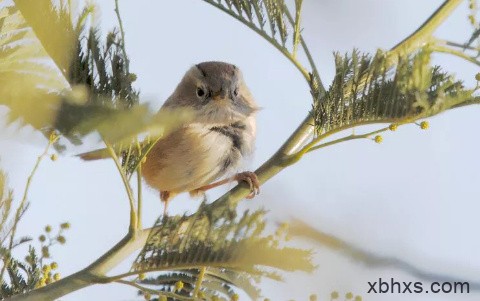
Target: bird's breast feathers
{"type": "Point", "coordinates": [197, 154]}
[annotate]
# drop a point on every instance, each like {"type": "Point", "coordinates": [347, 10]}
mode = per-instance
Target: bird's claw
{"type": "Point", "coordinates": [252, 181]}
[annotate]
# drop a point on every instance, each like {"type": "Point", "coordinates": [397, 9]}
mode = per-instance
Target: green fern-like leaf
{"type": "Point", "coordinates": [365, 91]}
{"type": "Point", "coordinates": [256, 14]}
{"type": "Point", "coordinates": [23, 276]}
{"type": "Point", "coordinates": [63, 76]}
{"type": "Point", "coordinates": [98, 71]}
{"type": "Point", "coordinates": [216, 282]}
{"type": "Point", "coordinates": [234, 247]}
{"type": "Point", "coordinates": [280, 26]}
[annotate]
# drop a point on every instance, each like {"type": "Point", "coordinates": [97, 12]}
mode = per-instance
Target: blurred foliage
{"type": "Point", "coordinates": [34, 82]}
{"type": "Point", "coordinates": [53, 28]}
{"type": "Point", "coordinates": [127, 146]}
{"type": "Point", "coordinates": [235, 249]}
{"type": "Point", "coordinates": [102, 93]}
{"type": "Point", "coordinates": [370, 259]}
{"type": "Point", "coordinates": [64, 75]}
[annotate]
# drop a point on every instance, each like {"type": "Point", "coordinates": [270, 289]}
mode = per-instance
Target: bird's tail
{"type": "Point", "coordinates": [95, 155]}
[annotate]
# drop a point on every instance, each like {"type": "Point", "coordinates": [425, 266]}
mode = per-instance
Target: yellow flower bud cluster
{"type": "Point", "coordinates": [378, 139]}
{"type": "Point", "coordinates": [178, 286]}
{"type": "Point", "coordinates": [48, 275]}
{"type": "Point", "coordinates": [471, 17]}
{"type": "Point", "coordinates": [424, 125]}
{"type": "Point", "coordinates": [47, 240]}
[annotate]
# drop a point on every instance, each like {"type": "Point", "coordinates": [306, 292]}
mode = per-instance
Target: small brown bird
{"type": "Point", "coordinates": [213, 143]}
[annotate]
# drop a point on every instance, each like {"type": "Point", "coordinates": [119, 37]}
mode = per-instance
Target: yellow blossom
{"type": "Point", "coordinates": [424, 125]}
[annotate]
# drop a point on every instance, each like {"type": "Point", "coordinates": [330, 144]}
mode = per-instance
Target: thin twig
{"type": "Point", "coordinates": [348, 138]}
{"type": "Point", "coordinates": [122, 33]}
{"type": "Point", "coordinates": [295, 157]}
{"type": "Point", "coordinates": [128, 156]}
{"type": "Point", "coordinates": [198, 283]}
{"type": "Point", "coordinates": [139, 196]}
{"type": "Point", "coordinates": [318, 83]}
{"type": "Point", "coordinates": [458, 45]}
{"type": "Point", "coordinates": [154, 292]}
{"type": "Point", "coordinates": [52, 139]}
{"type": "Point", "coordinates": [144, 155]}
{"type": "Point", "coordinates": [178, 266]}
{"type": "Point", "coordinates": [138, 286]}
{"type": "Point", "coordinates": [138, 171]}
{"type": "Point", "coordinates": [296, 26]}
{"type": "Point", "coordinates": [264, 35]}
{"type": "Point", "coordinates": [460, 54]}
{"type": "Point", "coordinates": [133, 215]}
{"type": "Point", "coordinates": [418, 38]}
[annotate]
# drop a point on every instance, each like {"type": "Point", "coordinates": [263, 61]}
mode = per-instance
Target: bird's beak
{"type": "Point", "coordinates": [218, 99]}
{"type": "Point", "coordinates": [219, 96]}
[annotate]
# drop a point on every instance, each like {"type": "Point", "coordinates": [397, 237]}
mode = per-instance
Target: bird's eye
{"type": "Point", "coordinates": [235, 92]}
{"type": "Point", "coordinates": [200, 92]}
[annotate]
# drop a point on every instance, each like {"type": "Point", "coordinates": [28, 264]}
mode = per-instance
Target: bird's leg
{"type": "Point", "coordinates": [165, 198]}
{"type": "Point", "coordinates": [246, 176]}
{"type": "Point", "coordinates": [213, 185]}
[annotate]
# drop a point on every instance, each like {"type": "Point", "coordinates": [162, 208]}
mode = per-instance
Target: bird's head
{"type": "Point", "coordinates": [216, 92]}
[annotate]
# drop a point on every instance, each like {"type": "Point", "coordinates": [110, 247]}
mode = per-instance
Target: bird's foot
{"type": "Point", "coordinates": [252, 181]}
{"type": "Point", "coordinates": [246, 176]}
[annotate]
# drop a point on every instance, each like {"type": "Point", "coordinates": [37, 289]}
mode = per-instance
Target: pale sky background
{"type": "Point", "coordinates": [415, 196]}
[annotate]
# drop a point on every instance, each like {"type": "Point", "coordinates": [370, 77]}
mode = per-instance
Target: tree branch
{"type": "Point", "coordinates": [133, 226]}
{"type": "Point", "coordinates": [421, 36]}
{"type": "Point", "coordinates": [416, 40]}
{"type": "Point", "coordinates": [93, 274]}
{"type": "Point", "coordinates": [460, 54]}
